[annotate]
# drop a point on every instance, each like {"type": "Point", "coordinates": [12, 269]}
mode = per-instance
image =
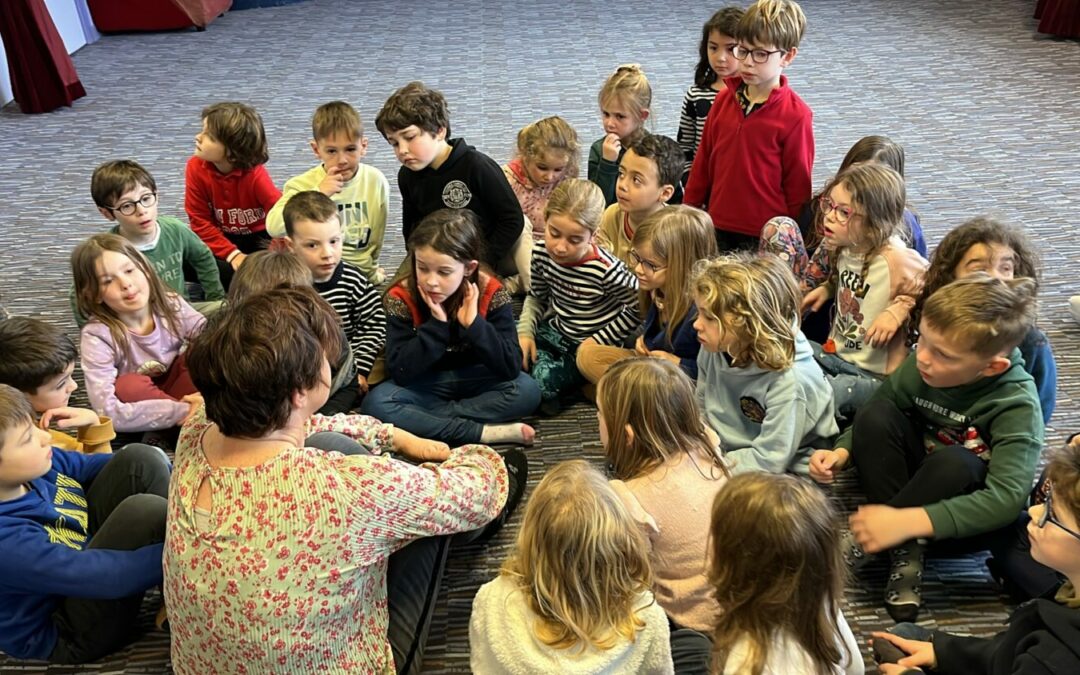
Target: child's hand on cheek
{"type": "Point", "coordinates": [437, 311]}
{"type": "Point", "coordinates": [612, 147]}
{"type": "Point", "coordinates": [470, 305]}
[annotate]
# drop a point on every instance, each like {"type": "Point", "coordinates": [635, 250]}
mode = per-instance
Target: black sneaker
{"type": "Point", "coordinates": [517, 472]}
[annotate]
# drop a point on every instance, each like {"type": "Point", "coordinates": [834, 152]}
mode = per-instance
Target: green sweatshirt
{"type": "Point", "coordinates": [176, 245]}
{"type": "Point", "coordinates": [998, 418]}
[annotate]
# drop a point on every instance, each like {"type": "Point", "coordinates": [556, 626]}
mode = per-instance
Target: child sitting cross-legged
{"type": "Point", "coordinates": [946, 447]}
{"type": "Point", "coordinates": [758, 384]}
{"type": "Point", "coordinates": [574, 596]}
{"type": "Point", "coordinates": [39, 360]}
{"type": "Point", "coordinates": [581, 294]}
{"type": "Point", "coordinates": [82, 540]}
{"type": "Point", "coordinates": [133, 346]}
{"type": "Point", "coordinates": [1043, 635]}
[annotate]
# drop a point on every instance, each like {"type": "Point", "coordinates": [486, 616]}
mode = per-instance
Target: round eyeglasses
{"type": "Point", "coordinates": [758, 55]}
{"type": "Point", "coordinates": [843, 213]}
{"type": "Point", "coordinates": [646, 264]}
{"type": "Point", "coordinates": [129, 208]}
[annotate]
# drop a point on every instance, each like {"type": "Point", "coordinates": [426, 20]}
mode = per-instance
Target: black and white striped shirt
{"type": "Point", "coordinates": [595, 298]}
{"type": "Point", "coordinates": [361, 310]}
{"type": "Point", "coordinates": [696, 105]}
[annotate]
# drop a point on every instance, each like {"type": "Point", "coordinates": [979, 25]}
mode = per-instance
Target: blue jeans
{"type": "Point", "coordinates": [852, 386]}
{"type": "Point", "coordinates": [453, 405]}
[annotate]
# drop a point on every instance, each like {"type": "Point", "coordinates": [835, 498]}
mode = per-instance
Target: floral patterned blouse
{"type": "Point", "coordinates": [291, 574]}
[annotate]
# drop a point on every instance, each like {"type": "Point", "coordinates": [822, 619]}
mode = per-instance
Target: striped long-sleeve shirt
{"type": "Point", "coordinates": [696, 105]}
{"type": "Point", "coordinates": [361, 310]}
{"type": "Point", "coordinates": [595, 297]}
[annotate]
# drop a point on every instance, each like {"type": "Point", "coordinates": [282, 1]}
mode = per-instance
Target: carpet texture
{"type": "Point", "coordinates": [985, 108]}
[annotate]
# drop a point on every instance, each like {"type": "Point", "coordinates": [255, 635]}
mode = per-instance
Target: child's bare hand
{"type": "Point", "coordinates": [877, 527]}
{"type": "Point", "coordinates": [639, 346]}
{"type": "Point", "coordinates": [919, 653]}
{"type": "Point", "coordinates": [470, 305]}
{"type": "Point", "coordinates": [363, 383]}
{"type": "Point", "coordinates": [193, 401]}
{"type": "Point", "coordinates": [528, 351]}
{"type": "Point", "coordinates": [419, 449]}
{"type": "Point", "coordinates": [882, 330]}
{"type": "Point", "coordinates": [815, 299]}
{"type": "Point", "coordinates": [237, 260]}
{"type": "Point", "coordinates": [437, 311]}
{"type": "Point", "coordinates": [825, 464]}
{"type": "Point", "coordinates": [68, 418]}
{"type": "Point", "coordinates": [612, 147]}
{"type": "Point", "coordinates": [667, 356]}
{"type": "Point", "coordinates": [332, 183]}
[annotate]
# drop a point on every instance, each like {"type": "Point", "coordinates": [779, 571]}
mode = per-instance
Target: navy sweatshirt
{"type": "Point", "coordinates": [43, 537]}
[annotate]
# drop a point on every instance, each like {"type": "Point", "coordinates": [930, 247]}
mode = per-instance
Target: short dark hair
{"type": "Point", "coordinates": [252, 357]}
{"type": "Point", "coordinates": [665, 152]}
{"type": "Point", "coordinates": [240, 129]}
{"type": "Point", "coordinates": [416, 104]}
{"type": "Point", "coordinates": [308, 205]}
{"type": "Point", "coordinates": [34, 351]}
{"type": "Point", "coordinates": [114, 178]}
{"type": "Point", "coordinates": [14, 409]}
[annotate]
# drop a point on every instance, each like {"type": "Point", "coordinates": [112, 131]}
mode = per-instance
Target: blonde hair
{"type": "Point", "coordinates": [266, 270]}
{"type": "Point", "coordinates": [628, 86]}
{"type": "Point", "coordinates": [680, 236]}
{"type": "Point", "coordinates": [551, 134]}
{"type": "Point", "coordinates": [780, 23]}
{"type": "Point", "coordinates": [580, 200]}
{"type": "Point", "coordinates": [986, 315]}
{"type": "Point", "coordinates": [657, 400]}
{"type": "Point", "coordinates": [757, 298]}
{"type": "Point", "coordinates": [88, 301]}
{"type": "Point", "coordinates": [781, 523]}
{"type": "Point", "coordinates": [581, 561]}
{"type": "Point", "coordinates": [336, 117]}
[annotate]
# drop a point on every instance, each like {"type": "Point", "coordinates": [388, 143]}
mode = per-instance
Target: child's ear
{"type": "Point", "coordinates": [440, 135]}
{"type": "Point", "coordinates": [289, 243]}
{"type": "Point", "coordinates": [786, 59]}
{"type": "Point", "coordinates": [470, 267]}
{"type": "Point", "coordinates": [629, 435]}
{"type": "Point", "coordinates": [645, 112]}
{"type": "Point", "coordinates": [666, 193]}
{"type": "Point", "coordinates": [998, 365]}
{"type": "Point", "coordinates": [362, 144]}
{"type": "Point", "coordinates": [107, 213]}
{"type": "Point", "coordinates": [314, 147]}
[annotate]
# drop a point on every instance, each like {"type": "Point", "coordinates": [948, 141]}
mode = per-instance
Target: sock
{"type": "Point", "coordinates": [903, 590]}
{"type": "Point", "coordinates": [515, 432]}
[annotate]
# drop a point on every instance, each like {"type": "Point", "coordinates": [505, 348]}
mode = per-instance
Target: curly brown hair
{"type": "Point", "coordinates": [415, 103]}
{"type": "Point", "coordinates": [238, 127]}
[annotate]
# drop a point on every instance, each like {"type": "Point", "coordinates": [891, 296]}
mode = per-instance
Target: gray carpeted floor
{"type": "Point", "coordinates": [985, 108]}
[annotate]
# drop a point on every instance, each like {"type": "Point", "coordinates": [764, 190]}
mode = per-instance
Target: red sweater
{"type": "Point", "coordinates": [749, 169]}
{"type": "Point", "coordinates": [220, 204]}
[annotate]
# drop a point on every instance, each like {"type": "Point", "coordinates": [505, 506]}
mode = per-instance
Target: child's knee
{"type": "Point", "coordinates": [133, 387]}
{"type": "Point", "coordinates": [959, 462]}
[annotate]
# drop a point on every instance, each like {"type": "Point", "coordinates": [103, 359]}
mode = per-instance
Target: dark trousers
{"type": "Point", "coordinates": [126, 504]}
{"type": "Point", "coordinates": [691, 650]}
{"type": "Point", "coordinates": [729, 242]}
{"type": "Point", "coordinates": [412, 584]}
{"type": "Point", "coordinates": [895, 469]}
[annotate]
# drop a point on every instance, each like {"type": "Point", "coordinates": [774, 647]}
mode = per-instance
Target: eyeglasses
{"type": "Point", "coordinates": [1048, 516]}
{"type": "Point", "coordinates": [647, 264]}
{"type": "Point", "coordinates": [758, 55]}
{"type": "Point", "coordinates": [129, 208]}
{"type": "Point", "coordinates": [843, 213]}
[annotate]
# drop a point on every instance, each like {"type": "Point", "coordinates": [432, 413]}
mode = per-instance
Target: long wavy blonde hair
{"type": "Point", "coordinates": [757, 299]}
{"type": "Point", "coordinates": [581, 560]}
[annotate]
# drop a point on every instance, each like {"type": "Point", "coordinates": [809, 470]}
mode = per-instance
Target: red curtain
{"type": "Point", "coordinates": [1059, 17]}
{"type": "Point", "coordinates": [43, 77]}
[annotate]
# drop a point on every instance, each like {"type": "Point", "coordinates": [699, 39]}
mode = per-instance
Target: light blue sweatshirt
{"type": "Point", "coordinates": [767, 420]}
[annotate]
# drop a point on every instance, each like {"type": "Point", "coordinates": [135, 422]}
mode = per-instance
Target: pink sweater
{"type": "Point", "coordinates": [673, 504]}
{"type": "Point", "coordinates": [103, 361]}
{"type": "Point", "coordinates": [533, 199]}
